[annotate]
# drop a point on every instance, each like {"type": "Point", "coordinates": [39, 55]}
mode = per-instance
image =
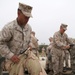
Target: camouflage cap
{"type": "Point", "coordinates": [64, 26]}
{"type": "Point", "coordinates": [26, 9]}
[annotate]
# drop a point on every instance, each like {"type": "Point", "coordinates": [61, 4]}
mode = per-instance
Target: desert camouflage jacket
{"type": "Point", "coordinates": [60, 40]}
{"type": "Point", "coordinates": [14, 39]}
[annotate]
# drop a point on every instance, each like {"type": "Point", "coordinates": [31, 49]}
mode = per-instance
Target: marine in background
{"type": "Point", "coordinates": [49, 57]}
{"type": "Point", "coordinates": [43, 53]}
{"type": "Point", "coordinates": [34, 44]}
{"type": "Point", "coordinates": [61, 43]}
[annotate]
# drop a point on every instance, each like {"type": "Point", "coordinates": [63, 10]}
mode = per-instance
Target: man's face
{"type": "Point", "coordinates": [22, 18]}
{"type": "Point", "coordinates": [62, 30]}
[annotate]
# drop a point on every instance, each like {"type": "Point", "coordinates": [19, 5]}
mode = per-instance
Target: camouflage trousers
{"type": "Point", "coordinates": [73, 66]}
{"type": "Point", "coordinates": [57, 60]}
{"type": "Point", "coordinates": [66, 58]}
{"type": "Point", "coordinates": [31, 63]}
{"type": "Point", "coordinates": [48, 64]}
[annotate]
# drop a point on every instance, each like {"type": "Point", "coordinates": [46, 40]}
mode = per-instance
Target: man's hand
{"type": "Point", "coordinates": [15, 59]}
{"type": "Point", "coordinates": [66, 47]}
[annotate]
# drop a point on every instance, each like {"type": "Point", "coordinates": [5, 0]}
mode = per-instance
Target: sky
{"type": "Point", "coordinates": [47, 16]}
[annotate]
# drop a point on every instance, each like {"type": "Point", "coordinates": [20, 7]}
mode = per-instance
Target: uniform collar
{"type": "Point", "coordinates": [61, 34]}
{"type": "Point", "coordinates": [19, 28]}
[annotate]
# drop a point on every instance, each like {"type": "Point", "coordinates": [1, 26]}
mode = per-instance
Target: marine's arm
{"type": "Point", "coordinates": [5, 36]}
{"type": "Point", "coordinates": [59, 43]}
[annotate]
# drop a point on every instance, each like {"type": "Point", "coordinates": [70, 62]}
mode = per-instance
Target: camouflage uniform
{"type": "Point", "coordinates": [57, 52]}
{"type": "Point", "coordinates": [34, 45]}
{"type": "Point", "coordinates": [66, 58]}
{"type": "Point", "coordinates": [49, 59]}
{"type": "Point", "coordinates": [72, 55]}
{"type": "Point", "coordinates": [14, 40]}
